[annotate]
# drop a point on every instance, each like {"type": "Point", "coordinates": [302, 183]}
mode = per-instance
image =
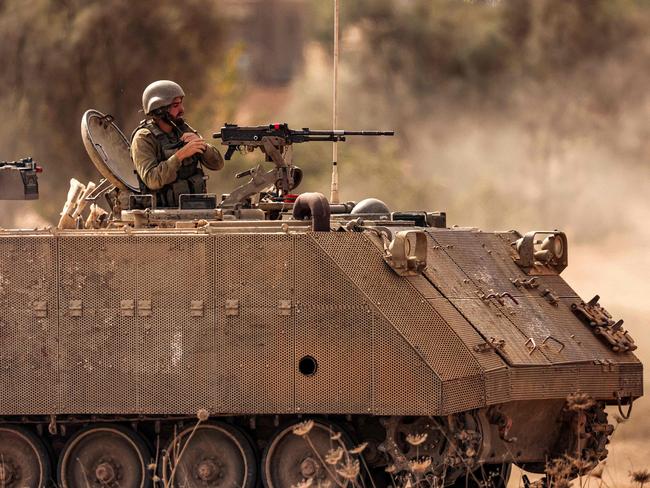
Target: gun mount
{"type": "Point", "coordinates": [275, 141]}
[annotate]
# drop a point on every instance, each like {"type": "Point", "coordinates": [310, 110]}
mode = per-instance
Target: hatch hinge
{"type": "Point", "coordinates": [39, 308]}
{"type": "Point", "coordinates": [144, 308]}
{"type": "Point", "coordinates": [284, 307]}
{"type": "Point", "coordinates": [75, 308]}
{"type": "Point", "coordinates": [232, 307]}
{"type": "Point", "coordinates": [196, 308]}
{"type": "Point", "coordinates": [127, 308]}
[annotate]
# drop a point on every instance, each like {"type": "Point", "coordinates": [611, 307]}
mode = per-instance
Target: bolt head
{"type": "Point", "coordinates": [105, 472]}
{"type": "Point", "coordinates": [208, 470]}
{"type": "Point", "coordinates": [309, 467]}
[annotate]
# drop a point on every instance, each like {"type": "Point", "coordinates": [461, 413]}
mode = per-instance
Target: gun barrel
{"type": "Point", "coordinates": [317, 137]}
{"type": "Point", "coordinates": [348, 132]}
{"type": "Point", "coordinates": [369, 133]}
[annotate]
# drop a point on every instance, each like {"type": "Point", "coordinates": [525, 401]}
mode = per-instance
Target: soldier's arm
{"type": "Point", "coordinates": [154, 173]}
{"type": "Point", "coordinates": [212, 158]}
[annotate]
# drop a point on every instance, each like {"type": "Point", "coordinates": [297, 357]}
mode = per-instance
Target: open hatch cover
{"type": "Point", "coordinates": [109, 150]}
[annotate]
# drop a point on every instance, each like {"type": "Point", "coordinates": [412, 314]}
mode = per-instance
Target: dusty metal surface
{"type": "Point", "coordinates": [28, 325]}
{"type": "Point", "coordinates": [334, 326]}
{"type": "Point", "coordinates": [254, 342]}
{"type": "Point", "coordinates": [176, 341]}
{"type": "Point", "coordinates": [98, 343]}
{"type": "Point", "coordinates": [411, 315]}
{"type": "Point", "coordinates": [240, 322]}
{"type": "Point", "coordinates": [403, 383]}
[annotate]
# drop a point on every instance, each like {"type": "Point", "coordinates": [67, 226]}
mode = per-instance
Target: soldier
{"type": "Point", "coordinates": [167, 153]}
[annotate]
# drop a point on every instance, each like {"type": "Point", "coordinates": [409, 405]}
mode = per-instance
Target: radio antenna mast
{"type": "Point", "coordinates": [334, 191]}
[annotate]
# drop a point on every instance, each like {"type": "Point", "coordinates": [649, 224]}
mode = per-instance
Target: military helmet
{"type": "Point", "coordinates": [160, 94]}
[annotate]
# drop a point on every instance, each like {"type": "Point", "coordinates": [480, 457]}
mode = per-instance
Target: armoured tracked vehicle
{"type": "Point", "coordinates": [264, 338]}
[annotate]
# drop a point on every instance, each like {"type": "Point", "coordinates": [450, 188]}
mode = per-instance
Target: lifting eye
{"type": "Point", "coordinates": [308, 366]}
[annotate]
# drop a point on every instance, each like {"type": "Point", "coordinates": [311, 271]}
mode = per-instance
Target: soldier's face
{"type": "Point", "coordinates": [176, 109]}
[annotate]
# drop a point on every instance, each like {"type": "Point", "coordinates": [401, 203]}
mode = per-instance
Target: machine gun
{"type": "Point", "coordinates": [19, 179]}
{"type": "Point", "coordinates": [274, 140]}
{"type": "Point", "coordinates": [280, 135]}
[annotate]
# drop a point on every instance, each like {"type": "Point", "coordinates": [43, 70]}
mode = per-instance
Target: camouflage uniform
{"type": "Point", "coordinates": [159, 170]}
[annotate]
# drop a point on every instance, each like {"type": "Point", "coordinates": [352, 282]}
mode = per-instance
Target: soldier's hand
{"type": "Point", "coordinates": [190, 136]}
{"type": "Point", "coordinates": [191, 148]}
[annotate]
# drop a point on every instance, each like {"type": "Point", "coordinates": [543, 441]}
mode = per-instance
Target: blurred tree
{"type": "Point", "coordinates": [424, 43]}
{"type": "Point", "coordinates": [65, 56]}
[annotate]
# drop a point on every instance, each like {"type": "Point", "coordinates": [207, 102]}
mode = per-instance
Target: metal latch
{"type": "Point", "coordinates": [40, 309]}
{"type": "Point", "coordinates": [407, 258]}
{"type": "Point", "coordinates": [550, 297]}
{"type": "Point", "coordinates": [232, 307]}
{"type": "Point", "coordinates": [144, 308]}
{"type": "Point", "coordinates": [528, 284]}
{"type": "Point", "coordinates": [196, 308]}
{"type": "Point", "coordinates": [499, 297]}
{"type": "Point", "coordinates": [75, 308]}
{"type": "Point", "coordinates": [127, 308]}
{"type": "Point", "coordinates": [492, 344]}
{"type": "Point", "coordinates": [601, 324]}
{"type": "Point", "coordinates": [284, 307]}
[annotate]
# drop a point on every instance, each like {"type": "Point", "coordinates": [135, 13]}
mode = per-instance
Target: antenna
{"type": "Point", "coordinates": [334, 191]}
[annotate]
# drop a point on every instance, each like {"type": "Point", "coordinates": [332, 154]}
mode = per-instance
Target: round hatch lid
{"type": "Point", "coordinates": [109, 150]}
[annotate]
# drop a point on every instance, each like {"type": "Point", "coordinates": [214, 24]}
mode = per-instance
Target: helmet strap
{"type": "Point", "coordinates": [162, 113]}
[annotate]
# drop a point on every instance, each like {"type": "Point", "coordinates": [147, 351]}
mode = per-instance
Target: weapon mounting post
{"type": "Point", "coordinates": [274, 140]}
{"type": "Point", "coordinates": [19, 179]}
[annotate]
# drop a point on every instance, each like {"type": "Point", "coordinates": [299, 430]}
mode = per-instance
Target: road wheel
{"type": "Point", "coordinates": [24, 460]}
{"type": "Point", "coordinates": [106, 456]}
{"type": "Point", "coordinates": [212, 455]}
{"type": "Point", "coordinates": [308, 450]}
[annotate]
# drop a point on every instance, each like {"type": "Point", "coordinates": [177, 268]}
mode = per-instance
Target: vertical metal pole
{"type": "Point", "coordinates": [334, 192]}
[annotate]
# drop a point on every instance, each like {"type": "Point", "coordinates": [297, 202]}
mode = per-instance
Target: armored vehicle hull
{"type": "Point", "coordinates": [448, 358]}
